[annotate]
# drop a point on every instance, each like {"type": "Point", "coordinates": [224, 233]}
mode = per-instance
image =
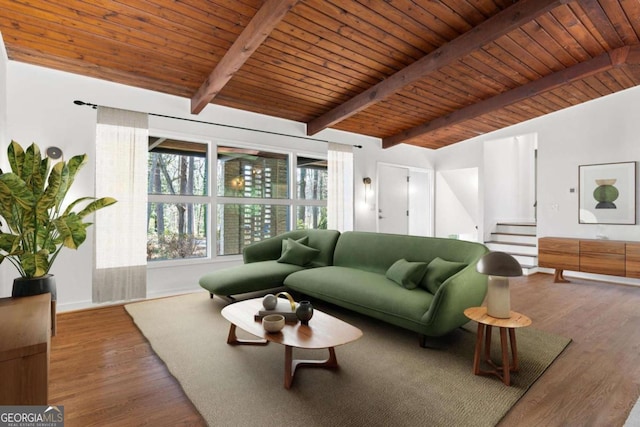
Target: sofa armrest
{"type": "Point", "coordinates": [465, 289]}
{"type": "Point", "coordinates": [265, 250]}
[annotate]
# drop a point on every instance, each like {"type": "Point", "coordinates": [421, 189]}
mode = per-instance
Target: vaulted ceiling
{"type": "Point", "coordinates": [427, 73]}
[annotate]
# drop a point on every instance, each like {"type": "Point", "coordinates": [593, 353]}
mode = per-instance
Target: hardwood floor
{"type": "Point", "coordinates": [104, 372]}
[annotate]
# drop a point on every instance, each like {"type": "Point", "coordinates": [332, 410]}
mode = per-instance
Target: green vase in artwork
{"type": "Point", "coordinates": [605, 193]}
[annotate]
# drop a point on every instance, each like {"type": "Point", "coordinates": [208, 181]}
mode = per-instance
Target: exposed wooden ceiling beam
{"type": "Point", "coordinates": [502, 23]}
{"type": "Point", "coordinates": [601, 63]}
{"type": "Point", "coordinates": [258, 29]}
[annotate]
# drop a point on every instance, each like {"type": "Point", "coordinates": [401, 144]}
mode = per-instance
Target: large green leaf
{"type": "Point", "coordinates": [14, 190]}
{"type": "Point", "coordinates": [16, 157]}
{"type": "Point", "coordinates": [72, 230]}
{"type": "Point", "coordinates": [35, 265]}
{"type": "Point", "coordinates": [8, 242]}
{"type": "Point", "coordinates": [75, 164]}
{"type": "Point", "coordinates": [95, 205]}
{"type": "Point", "coordinates": [56, 187]}
{"type": "Point", "coordinates": [32, 172]}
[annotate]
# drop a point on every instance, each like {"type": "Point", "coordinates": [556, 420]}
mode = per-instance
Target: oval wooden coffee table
{"type": "Point", "coordinates": [323, 331]}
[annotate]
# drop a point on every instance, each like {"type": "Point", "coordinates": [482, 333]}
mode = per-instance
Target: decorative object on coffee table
{"type": "Point", "coordinates": [272, 304]}
{"type": "Point", "coordinates": [304, 312]}
{"type": "Point", "coordinates": [499, 266]}
{"type": "Point", "coordinates": [485, 323]}
{"type": "Point", "coordinates": [273, 322]}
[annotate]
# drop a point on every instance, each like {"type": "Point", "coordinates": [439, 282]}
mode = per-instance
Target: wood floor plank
{"type": "Point", "coordinates": [105, 373]}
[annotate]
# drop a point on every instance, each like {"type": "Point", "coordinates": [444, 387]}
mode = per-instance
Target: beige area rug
{"type": "Point", "coordinates": [385, 378]}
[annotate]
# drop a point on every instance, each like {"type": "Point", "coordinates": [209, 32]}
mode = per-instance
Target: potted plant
{"type": "Point", "coordinates": [34, 227]}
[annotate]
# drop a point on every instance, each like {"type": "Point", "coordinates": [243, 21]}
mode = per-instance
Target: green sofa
{"type": "Point", "coordinates": [423, 284]}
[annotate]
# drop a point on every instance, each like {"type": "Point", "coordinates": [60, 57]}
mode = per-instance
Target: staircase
{"type": "Point", "coordinates": [520, 241]}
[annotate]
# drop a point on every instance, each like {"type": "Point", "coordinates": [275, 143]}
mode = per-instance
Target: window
{"type": "Point", "coordinates": [311, 178]}
{"type": "Point", "coordinates": [252, 198]}
{"type": "Point", "coordinates": [177, 214]}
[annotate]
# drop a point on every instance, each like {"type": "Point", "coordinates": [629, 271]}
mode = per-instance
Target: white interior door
{"type": "Point", "coordinates": [393, 199]}
{"type": "Point", "coordinates": [420, 202]}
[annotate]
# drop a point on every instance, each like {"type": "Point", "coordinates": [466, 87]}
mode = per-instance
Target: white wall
{"type": "Point", "coordinates": [41, 110]}
{"type": "Point", "coordinates": [509, 181]}
{"type": "Point", "coordinates": [5, 278]}
{"type": "Point", "coordinates": [457, 204]}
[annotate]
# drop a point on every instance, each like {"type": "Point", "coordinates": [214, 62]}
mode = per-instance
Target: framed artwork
{"type": "Point", "coordinates": [607, 193]}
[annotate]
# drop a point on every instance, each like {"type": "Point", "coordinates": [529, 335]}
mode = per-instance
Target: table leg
{"type": "Point", "coordinates": [558, 276]}
{"type": "Point", "coordinates": [514, 349]}
{"type": "Point", "coordinates": [291, 364]}
{"type": "Point", "coordinates": [505, 356]}
{"type": "Point", "coordinates": [487, 343]}
{"type": "Point", "coordinates": [476, 354]}
{"type": "Point", "coordinates": [232, 338]}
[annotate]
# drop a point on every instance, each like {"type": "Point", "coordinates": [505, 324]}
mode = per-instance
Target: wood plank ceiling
{"type": "Point", "coordinates": [427, 73]}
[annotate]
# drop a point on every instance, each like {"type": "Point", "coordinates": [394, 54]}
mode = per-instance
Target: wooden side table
{"type": "Point", "coordinates": [485, 323]}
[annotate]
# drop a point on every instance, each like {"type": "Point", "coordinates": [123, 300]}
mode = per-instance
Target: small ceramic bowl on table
{"type": "Point", "coordinates": [273, 323]}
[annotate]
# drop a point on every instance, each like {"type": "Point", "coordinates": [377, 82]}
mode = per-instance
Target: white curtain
{"type": "Point", "coordinates": [340, 187]}
{"type": "Point", "coordinates": [120, 248]}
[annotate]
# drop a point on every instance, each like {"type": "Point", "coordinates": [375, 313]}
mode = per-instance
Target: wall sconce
{"type": "Point", "coordinates": [367, 187]}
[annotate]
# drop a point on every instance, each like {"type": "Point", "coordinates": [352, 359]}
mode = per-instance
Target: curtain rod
{"type": "Point", "coordinates": [95, 106]}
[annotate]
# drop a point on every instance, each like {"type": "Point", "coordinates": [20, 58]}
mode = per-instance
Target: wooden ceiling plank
{"type": "Point", "coordinates": [258, 29]}
{"type": "Point", "coordinates": [538, 33]}
{"type": "Point", "coordinates": [433, 30]}
{"type": "Point", "coordinates": [524, 53]}
{"type": "Point", "coordinates": [599, 22]}
{"type": "Point", "coordinates": [586, 89]}
{"type": "Point", "coordinates": [579, 31]}
{"type": "Point", "coordinates": [470, 11]}
{"type": "Point", "coordinates": [310, 75]}
{"type": "Point", "coordinates": [476, 62]}
{"type": "Point", "coordinates": [518, 70]}
{"type": "Point", "coordinates": [536, 49]}
{"type": "Point", "coordinates": [82, 67]}
{"type": "Point", "coordinates": [558, 32]}
{"type": "Point", "coordinates": [579, 71]}
{"type": "Point", "coordinates": [509, 77]}
{"type": "Point", "coordinates": [353, 42]}
{"type": "Point", "coordinates": [370, 30]}
{"type": "Point", "coordinates": [115, 28]}
{"type": "Point", "coordinates": [104, 55]}
{"type": "Point", "coordinates": [332, 63]}
{"type": "Point", "coordinates": [494, 27]}
{"type": "Point", "coordinates": [616, 14]}
{"type": "Point", "coordinates": [632, 11]}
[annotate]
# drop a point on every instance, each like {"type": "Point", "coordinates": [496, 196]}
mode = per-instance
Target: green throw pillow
{"type": "Point", "coordinates": [297, 254]}
{"type": "Point", "coordinates": [304, 240]}
{"type": "Point", "coordinates": [439, 270]}
{"type": "Point", "coordinates": [407, 274]}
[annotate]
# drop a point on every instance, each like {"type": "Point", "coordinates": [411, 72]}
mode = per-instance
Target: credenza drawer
{"type": "Point", "coordinates": [602, 263]}
{"type": "Point", "coordinates": [633, 260]}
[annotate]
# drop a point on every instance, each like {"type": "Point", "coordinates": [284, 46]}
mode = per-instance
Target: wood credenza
{"type": "Point", "coordinates": [25, 336]}
{"type": "Point", "coordinates": [612, 257]}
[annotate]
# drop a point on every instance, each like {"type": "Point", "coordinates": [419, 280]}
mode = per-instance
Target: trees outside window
{"type": "Point", "coordinates": [177, 211]}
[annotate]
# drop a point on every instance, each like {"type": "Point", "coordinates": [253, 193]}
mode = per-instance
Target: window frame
{"type": "Point", "coordinates": [212, 200]}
